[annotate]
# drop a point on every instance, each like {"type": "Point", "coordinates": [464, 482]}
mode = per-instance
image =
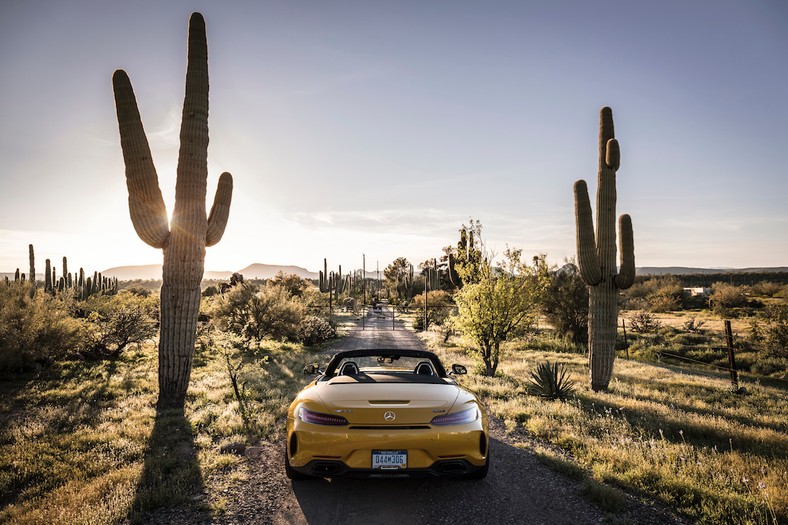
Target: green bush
{"type": "Point", "coordinates": [34, 332]}
{"type": "Point", "coordinates": [656, 294]}
{"type": "Point", "coordinates": [775, 338]}
{"type": "Point", "coordinates": [565, 303]}
{"type": "Point", "coordinates": [726, 296]}
{"type": "Point", "coordinates": [439, 308]}
{"type": "Point", "coordinates": [768, 366]}
{"type": "Point", "coordinates": [314, 330]}
{"type": "Point", "coordinates": [254, 312]}
{"type": "Point", "coordinates": [114, 322]}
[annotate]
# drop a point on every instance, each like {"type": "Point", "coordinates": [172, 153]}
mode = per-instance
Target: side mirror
{"type": "Point", "coordinates": [312, 369]}
{"type": "Point", "coordinates": [459, 370]}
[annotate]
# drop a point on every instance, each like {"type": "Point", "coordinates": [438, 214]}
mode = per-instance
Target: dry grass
{"type": "Point", "coordinates": [82, 442]}
{"type": "Point", "coordinates": [680, 437]}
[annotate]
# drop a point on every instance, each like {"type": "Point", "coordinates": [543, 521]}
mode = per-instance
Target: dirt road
{"type": "Point", "coordinates": [518, 490]}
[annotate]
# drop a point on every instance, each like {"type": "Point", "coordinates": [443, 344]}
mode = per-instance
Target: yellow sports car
{"type": "Point", "coordinates": [386, 413]}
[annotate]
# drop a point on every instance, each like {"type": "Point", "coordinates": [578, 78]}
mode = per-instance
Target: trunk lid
{"type": "Point", "coordinates": [388, 404]}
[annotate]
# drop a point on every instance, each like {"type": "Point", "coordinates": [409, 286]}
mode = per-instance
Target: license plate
{"type": "Point", "coordinates": [389, 459]}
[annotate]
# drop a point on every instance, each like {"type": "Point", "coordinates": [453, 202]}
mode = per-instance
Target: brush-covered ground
{"type": "Point", "coordinates": [80, 442]}
{"type": "Point", "coordinates": [675, 434]}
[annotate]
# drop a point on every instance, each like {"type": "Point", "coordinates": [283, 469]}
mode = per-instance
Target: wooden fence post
{"type": "Point", "coordinates": [731, 355]}
{"type": "Point", "coordinates": [624, 327]}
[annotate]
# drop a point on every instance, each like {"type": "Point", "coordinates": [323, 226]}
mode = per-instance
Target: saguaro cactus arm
{"type": "Point", "coordinates": [220, 211]}
{"type": "Point", "coordinates": [587, 258]}
{"type": "Point", "coordinates": [146, 205]}
{"type": "Point", "coordinates": [626, 248]}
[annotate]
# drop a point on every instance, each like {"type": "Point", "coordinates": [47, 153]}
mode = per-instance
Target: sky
{"type": "Point", "coordinates": [377, 128]}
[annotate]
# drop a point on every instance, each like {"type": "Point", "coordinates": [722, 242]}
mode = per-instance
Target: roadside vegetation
{"type": "Point", "coordinates": [81, 440]}
{"type": "Point", "coordinates": [676, 435]}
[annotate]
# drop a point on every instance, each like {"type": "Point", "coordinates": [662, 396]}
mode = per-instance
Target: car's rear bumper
{"type": "Point", "coordinates": [326, 451]}
{"type": "Point", "coordinates": [440, 469]}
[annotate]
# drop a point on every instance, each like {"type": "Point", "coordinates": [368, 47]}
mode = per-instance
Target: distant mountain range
{"type": "Point", "coordinates": [683, 270]}
{"type": "Point", "coordinates": [267, 271]}
{"type": "Point", "coordinates": [253, 271]}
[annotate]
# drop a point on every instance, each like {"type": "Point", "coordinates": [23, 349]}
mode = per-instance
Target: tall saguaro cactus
{"type": "Point", "coordinates": [596, 256]}
{"type": "Point", "coordinates": [190, 231]}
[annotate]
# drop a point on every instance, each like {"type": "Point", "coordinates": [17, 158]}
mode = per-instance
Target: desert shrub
{"type": "Point", "coordinates": [313, 298]}
{"type": "Point", "coordinates": [768, 366]}
{"type": "Point", "coordinates": [258, 312]}
{"type": "Point", "coordinates": [314, 330]}
{"type": "Point", "coordinates": [139, 290]}
{"type": "Point", "coordinates": [767, 289]}
{"type": "Point", "coordinates": [643, 322]}
{"type": "Point", "coordinates": [664, 301]}
{"type": "Point", "coordinates": [655, 294]}
{"type": "Point", "coordinates": [726, 296]}
{"type": "Point", "coordinates": [117, 321]}
{"type": "Point", "coordinates": [645, 349]}
{"type": "Point", "coordinates": [210, 291]}
{"type": "Point", "coordinates": [687, 339]}
{"type": "Point", "coordinates": [693, 325]}
{"type": "Point", "coordinates": [294, 284]}
{"type": "Point", "coordinates": [565, 303]}
{"type": "Point", "coordinates": [775, 331]}
{"type": "Point", "coordinates": [34, 332]}
{"type": "Point", "coordinates": [439, 308]}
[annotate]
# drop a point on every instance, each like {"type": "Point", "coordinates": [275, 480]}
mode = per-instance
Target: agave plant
{"type": "Point", "coordinates": [551, 381]}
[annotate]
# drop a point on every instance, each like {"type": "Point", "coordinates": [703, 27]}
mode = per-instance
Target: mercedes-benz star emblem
{"type": "Point", "coordinates": [389, 416]}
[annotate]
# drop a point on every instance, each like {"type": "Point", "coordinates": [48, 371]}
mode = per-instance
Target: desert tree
{"type": "Point", "coordinates": [497, 303]}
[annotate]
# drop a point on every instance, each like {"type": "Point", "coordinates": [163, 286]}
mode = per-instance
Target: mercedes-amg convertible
{"type": "Point", "coordinates": [386, 413]}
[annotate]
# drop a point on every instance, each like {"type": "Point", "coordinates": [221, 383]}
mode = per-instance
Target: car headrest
{"type": "Point", "coordinates": [348, 369]}
{"type": "Point", "coordinates": [424, 369]}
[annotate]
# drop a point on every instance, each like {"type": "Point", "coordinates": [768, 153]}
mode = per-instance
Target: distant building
{"type": "Point", "coordinates": [700, 291]}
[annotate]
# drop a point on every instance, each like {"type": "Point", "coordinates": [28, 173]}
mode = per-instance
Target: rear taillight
{"type": "Point", "coordinates": [316, 418]}
{"type": "Point", "coordinates": [457, 418]}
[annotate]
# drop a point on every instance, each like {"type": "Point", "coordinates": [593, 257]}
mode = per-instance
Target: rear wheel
{"type": "Point", "coordinates": [290, 472]}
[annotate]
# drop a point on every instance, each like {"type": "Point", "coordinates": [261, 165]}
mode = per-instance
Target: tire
{"type": "Point", "coordinates": [291, 473]}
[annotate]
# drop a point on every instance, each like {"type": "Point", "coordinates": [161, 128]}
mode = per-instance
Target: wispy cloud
{"type": "Point", "coordinates": [327, 83]}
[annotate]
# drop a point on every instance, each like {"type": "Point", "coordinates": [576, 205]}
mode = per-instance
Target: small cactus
{"type": "Point", "coordinates": [596, 255]}
{"type": "Point", "coordinates": [32, 257]}
{"type": "Point", "coordinates": [184, 240]}
{"type": "Point", "coordinates": [48, 277]}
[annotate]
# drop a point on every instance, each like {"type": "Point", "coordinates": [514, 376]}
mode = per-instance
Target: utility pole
{"type": "Point", "coordinates": [426, 295]}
